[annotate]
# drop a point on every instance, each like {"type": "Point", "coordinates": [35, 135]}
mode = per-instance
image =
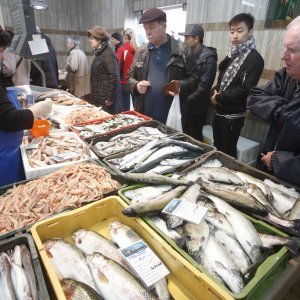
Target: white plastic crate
{"type": "Point", "coordinates": [31, 172]}
{"type": "Point", "coordinates": [247, 150]}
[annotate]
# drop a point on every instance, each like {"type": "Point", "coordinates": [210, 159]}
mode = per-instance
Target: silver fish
{"type": "Point", "coordinates": [282, 201]}
{"type": "Point", "coordinates": [6, 285]}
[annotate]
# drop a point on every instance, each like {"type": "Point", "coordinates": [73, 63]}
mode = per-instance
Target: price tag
{"type": "Point", "coordinates": [145, 262]}
{"type": "Point", "coordinates": [34, 143]}
{"type": "Point", "coordinates": [65, 156]}
{"type": "Point", "coordinates": [186, 210]}
{"type": "Point", "coordinates": [151, 131]}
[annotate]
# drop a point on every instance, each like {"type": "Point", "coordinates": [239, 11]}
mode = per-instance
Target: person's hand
{"type": "Point", "coordinates": [213, 98]}
{"type": "Point", "coordinates": [142, 86]}
{"type": "Point", "coordinates": [41, 109]}
{"type": "Point", "coordinates": [266, 159]}
{"type": "Point", "coordinates": [176, 87]}
{"type": "Point", "coordinates": [108, 103]}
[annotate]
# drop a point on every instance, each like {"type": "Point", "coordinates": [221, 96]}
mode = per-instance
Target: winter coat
{"type": "Point", "coordinates": [233, 99]}
{"type": "Point", "coordinates": [276, 105]}
{"type": "Point", "coordinates": [125, 58]}
{"type": "Point", "coordinates": [206, 59]}
{"type": "Point", "coordinates": [180, 67]}
{"type": "Point", "coordinates": [78, 78]}
{"type": "Point", "coordinates": [105, 77]}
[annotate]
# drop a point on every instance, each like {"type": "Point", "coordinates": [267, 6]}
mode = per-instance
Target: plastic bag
{"type": "Point", "coordinates": [174, 116]}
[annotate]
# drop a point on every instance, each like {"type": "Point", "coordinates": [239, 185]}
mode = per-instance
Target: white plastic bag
{"type": "Point", "coordinates": [174, 116]}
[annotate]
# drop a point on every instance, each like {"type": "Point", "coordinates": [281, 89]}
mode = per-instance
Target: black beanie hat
{"type": "Point", "coordinates": [118, 36]}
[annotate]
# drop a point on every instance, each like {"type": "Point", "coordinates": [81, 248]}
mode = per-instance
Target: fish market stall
{"type": "Point", "coordinates": [183, 282]}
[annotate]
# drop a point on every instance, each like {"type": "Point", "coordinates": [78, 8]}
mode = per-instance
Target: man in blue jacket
{"type": "Point", "coordinates": [278, 103]}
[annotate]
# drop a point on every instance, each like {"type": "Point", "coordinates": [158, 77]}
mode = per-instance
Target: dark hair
{"type": "Point", "coordinates": [247, 18]}
{"type": "Point", "coordinates": [5, 38]}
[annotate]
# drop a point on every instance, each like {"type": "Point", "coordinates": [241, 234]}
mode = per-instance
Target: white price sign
{"type": "Point", "coordinates": [145, 262]}
{"type": "Point", "coordinates": [65, 156]}
{"type": "Point", "coordinates": [186, 210]}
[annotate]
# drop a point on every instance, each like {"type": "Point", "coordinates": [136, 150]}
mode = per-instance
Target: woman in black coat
{"type": "Point", "coordinates": [105, 78]}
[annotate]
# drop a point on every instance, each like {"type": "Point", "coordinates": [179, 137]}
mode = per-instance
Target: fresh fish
{"type": "Point", "coordinates": [154, 179]}
{"type": "Point", "coordinates": [20, 282]}
{"type": "Point", "coordinates": [155, 205]}
{"type": "Point", "coordinates": [190, 195]}
{"type": "Point", "coordinates": [28, 267]}
{"type": "Point", "coordinates": [234, 249]}
{"type": "Point", "coordinates": [186, 145]}
{"type": "Point", "coordinates": [16, 255]}
{"type": "Point", "coordinates": [76, 290]}
{"type": "Point", "coordinates": [146, 193]}
{"type": "Point", "coordinates": [90, 241]}
{"type": "Point", "coordinates": [269, 241]}
{"type": "Point", "coordinates": [290, 191]}
{"type": "Point", "coordinates": [223, 265]}
{"type": "Point", "coordinates": [236, 196]}
{"type": "Point", "coordinates": [295, 211]}
{"type": "Point", "coordinates": [197, 238]}
{"type": "Point", "coordinates": [157, 156]}
{"type": "Point", "coordinates": [68, 261]}
{"type": "Point", "coordinates": [215, 163]}
{"type": "Point", "coordinates": [174, 235]}
{"type": "Point", "coordinates": [244, 231]}
{"type": "Point", "coordinates": [159, 169]}
{"type": "Point", "coordinates": [115, 282]}
{"type": "Point", "coordinates": [282, 201]}
{"type": "Point", "coordinates": [6, 285]}
{"type": "Point", "coordinates": [161, 289]}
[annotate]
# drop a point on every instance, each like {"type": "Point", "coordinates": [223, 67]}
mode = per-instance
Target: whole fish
{"type": "Point", "coordinates": [243, 229]}
{"type": "Point", "coordinates": [68, 261]}
{"type": "Point", "coordinates": [90, 241]}
{"type": "Point", "coordinates": [269, 241]}
{"type": "Point", "coordinates": [236, 196]}
{"type": "Point", "coordinates": [28, 267]}
{"type": "Point", "coordinates": [124, 236]}
{"type": "Point", "coordinates": [155, 205]}
{"type": "Point", "coordinates": [16, 255]}
{"type": "Point", "coordinates": [223, 265]}
{"type": "Point", "coordinates": [6, 285]}
{"type": "Point", "coordinates": [197, 238]}
{"type": "Point", "coordinates": [186, 145]}
{"type": "Point", "coordinates": [76, 290]}
{"type": "Point", "coordinates": [115, 282]}
{"type": "Point", "coordinates": [234, 249]}
{"type": "Point", "coordinates": [154, 179]}
{"type": "Point", "coordinates": [190, 195]}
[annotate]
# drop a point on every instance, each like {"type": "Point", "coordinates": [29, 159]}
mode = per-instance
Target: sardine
{"type": "Point", "coordinates": [76, 290]}
{"type": "Point", "coordinates": [68, 261]}
{"type": "Point", "coordinates": [90, 241]}
{"type": "Point", "coordinates": [115, 282]}
{"type": "Point", "coordinates": [155, 205]}
{"type": "Point", "coordinates": [6, 287]}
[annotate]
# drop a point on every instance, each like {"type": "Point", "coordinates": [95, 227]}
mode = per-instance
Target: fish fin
{"type": "Point", "coordinates": [102, 277]}
{"type": "Point", "coordinates": [49, 254]}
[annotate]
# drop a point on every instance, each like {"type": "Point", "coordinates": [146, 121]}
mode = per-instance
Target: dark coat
{"type": "Point", "coordinates": [49, 66]}
{"type": "Point", "coordinates": [206, 59]}
{"type": "Point", "coordinates": [276, 105]}
{"type": "Point", "coordinates": [233, 99]}
{"type": "Point", "coordinates": [105, 77]}
{"type": "Point", "coordinates": [180, 66]}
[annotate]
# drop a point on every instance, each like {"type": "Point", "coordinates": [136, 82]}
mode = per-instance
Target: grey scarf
{"type": "Point", "coordinates": [238, 54]}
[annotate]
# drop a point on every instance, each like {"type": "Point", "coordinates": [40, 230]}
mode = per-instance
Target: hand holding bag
{"type": "Point", "coordinates": [174, 116]}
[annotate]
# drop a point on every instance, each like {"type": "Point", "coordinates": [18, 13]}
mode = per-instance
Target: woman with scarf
{"type": "Point", "coordinates": [239, 71]}
{"type": "Point", "coordinates": [105, 77]}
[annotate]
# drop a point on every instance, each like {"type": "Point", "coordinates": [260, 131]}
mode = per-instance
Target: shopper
{"type": "Point", "coordinates": [117, 40]}
{"type": "Point", "coordinates": [78, 78]}
{"type": "Point", "coordinates": [13, 120]}
{"type": "Point", "coordinates": [125, 58]}
{"type": "Point", "coordinates": [156, 63]}
{"type": "Point", "coordinates": [105, 77]}
{"type": "Point", "coordinates": [239, 71]}
{"type": "Point", "coordinates": [278, 103]}
{"type": "Point", "coordinates": [49, 66]}
{"type": "Point", "coordinates": [198, 102]}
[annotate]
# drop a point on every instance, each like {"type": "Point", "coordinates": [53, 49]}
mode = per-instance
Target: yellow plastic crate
{"type": "Point", "coordinates": [184, 282]}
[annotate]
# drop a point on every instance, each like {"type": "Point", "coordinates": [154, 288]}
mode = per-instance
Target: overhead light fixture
{"type": "Point", "coordinates": [40, 5]}
{"type": "Point", "coordinates": [247, 3]}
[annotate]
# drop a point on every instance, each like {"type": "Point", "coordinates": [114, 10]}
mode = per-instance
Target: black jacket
{"type": "Point", "coordinates": [233, 99]}
{"type": "Point", "coordinates": [105, 77]}
{"type": "Point", "coordinates": [206, 59]}
{"type": "Point", "coordinates": [180, 66]}
{"type": "Point", "coordinates": [276, 105]}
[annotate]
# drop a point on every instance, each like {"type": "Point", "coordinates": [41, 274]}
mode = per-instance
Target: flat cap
{"type": "Point", "coordinates": [99, 33]}
{"type": "Point", "coordinates": [194, 30]}
{"type": "Point", "coordinates": [153, 14]}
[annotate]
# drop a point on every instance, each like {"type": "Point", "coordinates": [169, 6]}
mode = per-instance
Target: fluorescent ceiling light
{"type": "Point", "coordinates": [40, 5]}
{"type": "Point", "coordinates": [248, 3]}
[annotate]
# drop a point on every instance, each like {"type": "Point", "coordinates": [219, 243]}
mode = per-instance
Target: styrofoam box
{"type": "Point", "coordinates": [247, 150]}
{"type": "Point", "coordinates": [39, 171]}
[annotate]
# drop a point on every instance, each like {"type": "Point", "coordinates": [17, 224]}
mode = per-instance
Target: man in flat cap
{"type": "Point", "coordinates": [198, 102]}
{"type": "Point", "coordinates": [156, 63]}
